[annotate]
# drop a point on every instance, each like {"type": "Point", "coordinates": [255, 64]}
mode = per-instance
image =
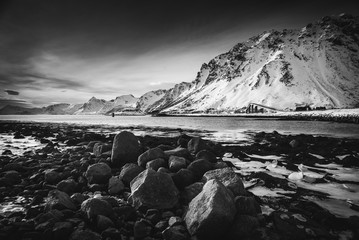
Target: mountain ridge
{"type": "Point", "coordinates": [316, 66]}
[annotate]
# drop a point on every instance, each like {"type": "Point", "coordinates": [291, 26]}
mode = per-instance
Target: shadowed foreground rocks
{"type": "Point", "coordinates": [77, 187]}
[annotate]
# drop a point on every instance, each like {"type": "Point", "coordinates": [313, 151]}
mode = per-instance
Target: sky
{"type": "Point", "coordinates": [70, 50]}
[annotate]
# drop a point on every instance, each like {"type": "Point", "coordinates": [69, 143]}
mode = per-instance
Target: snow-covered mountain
{"type": "Point", "coordinates": [147, 100]}
{"type": "Point", "coordinates": [317, 66]}
{"type": "Point", "coordinates": [101, 106]}
{"type": "Point", "coordinates": [61, 108]}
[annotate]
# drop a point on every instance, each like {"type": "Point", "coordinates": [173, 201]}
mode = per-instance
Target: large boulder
{"type": "Point", "coordinates": [115, 186]}
{"type": "Point", "coordinates": [247, 205]}
{"type": "Point", "coordinates": [154, 190]}
{"type": "Point", "coordinates": [183, 178]}
{"type": "Point", "coordinates": [207, 155]}
{"type": "Point", "coordinates": [191, 192]}
{"type": "Point", "coordinates": [179, 152]}
{"type": "Point", "coordinates": [68, 186]}
{"type": "Point", "coordinates": [211, 212]}
{"type": "Point", "coordinates": [52, 176]}
{"type": "Point", "coordinates": [85, 235]}
{"type": "Point", "coordinates": [151, 154]}
{"type": "Point", "coordinates": [199, 167]}
{"type": "Point", "coordinates": [176, 163]}
{"type": "Point", "coordinates": [94, 206]}
{"type": "Point", "coordinates": [196, 144]}
{"type": "Point", "coordinates": [156, 164]}
{"type": "Point", "coordinates": [228, 178]}
{"type": "Point", "coordinates": [129, 171]}
{"type": "Point", "coordinates": [98, 173]}
{"type": "Point", "coordinates": [59, 200]}
{"type": "Point", "coordinates": [125, 149]}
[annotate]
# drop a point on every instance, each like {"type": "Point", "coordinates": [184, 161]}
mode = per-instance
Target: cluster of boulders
{"type": "Point", "coordinates": [126, 190]}
{"type": "Point", "coordinates": [86, 185]}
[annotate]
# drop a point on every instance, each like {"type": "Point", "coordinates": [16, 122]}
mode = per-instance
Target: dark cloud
{"type": "Point", "coordinates": [39, 81]}
{"type": "Point", "coordinates": [13, 102]}
{"type": "Point", "coordinates": [11, 92]}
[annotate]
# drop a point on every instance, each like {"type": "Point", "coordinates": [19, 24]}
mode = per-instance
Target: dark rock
{"type": "Point", "coordinates": [247, 206]}
{"type": "Point", "coordinates": [350, 161]}
{"type": "Point", "coordinates": [59, 200]}
{"type": "Point", "coordinates": [115, 186]}
{"type": "Point", "coordinates": [191, 192]}
{"type": "Point", "coordinates": [93, 207]}
{"type": "Point", "coordinates": [111, 233]}
{"type": "Point", "coordinates": [196, 144]}
{"type": "Point", "coordinates": [154, 190]}
{"type": "Point", "coordinates": [206, 155]}
{"type": "Point", "coordinates": [100, 148]}
{"type": "Point", "coordinates": [141, 229]}
{"type": "Point", "coordinates": [228, 178]}
{"type": "Point", "coordinates": [52, 176]}
{"type": "Point", "coordinates": [98, 173]}
{"type": "Point", "coordinates": [77, 198]}
{"type": "Point", "coordinates": [156, 164]}
{"type": "Point", "coordinates": [177, 232]}
{"type": "Point", "coordinates": [243, 227]}
{"type": "Point", "coordinates": [287, 226]}
{"type": "Point", "coordinates": [97, 187]}
{"type": "Point", "coordinates": [219, 165]}
{"type": "Point", "coordinates": [176, 163]}
{"type": "Point", "coordinates": [183, 178]}
{"type": "Point", "coordinates": [68, 186]}
{"type": "Point", "coordinates": [126, 212]}
{"type": "Point", "coordinates": [161, 225]}
{"type": "Point", "coordinates": [153, 215]}
{"type": "Point", "coordinates": [151, 154]}
{"type": "Point", "coordinates": [103, 222]}
{"type": "Point", "coordinates": [85, 235]}
{"type": "Point", "coordinates": [13, 166]}
{"type": "Point", "coordinates": [7, 152]}
{"type": "Point", "coordinates": [211, 212]}
{"type": "Point", "coordinates": [174, 221]}
{"type": "Point", "coordinates": [125, 149]}
{"type": "Point", "coordinates": [199, 167]}
{"type": "Point", "coordinates": [179, 152]}
{"type": "Point", "coordinates": [12, 177]}
{"type": "Point", "coordinates": [129, 171]}
{"type": "Point", "coordinates": [62, 230]}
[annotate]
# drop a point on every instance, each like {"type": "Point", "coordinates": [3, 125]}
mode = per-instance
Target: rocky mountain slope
{"type": "Point", "coordinates": [317, 66]}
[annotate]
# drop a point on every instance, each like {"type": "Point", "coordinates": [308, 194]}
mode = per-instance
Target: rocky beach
{"type": "Point", "coordinates": [63, 181]}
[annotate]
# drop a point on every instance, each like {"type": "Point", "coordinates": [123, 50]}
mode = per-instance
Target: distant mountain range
{"type": "Point", "coordinates": [316, 66]}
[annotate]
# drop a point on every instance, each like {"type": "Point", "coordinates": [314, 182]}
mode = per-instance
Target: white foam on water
{"type": "Point", "coordinates": [18, 146]}
{"type": "Point", "coordinates": [262, 191]}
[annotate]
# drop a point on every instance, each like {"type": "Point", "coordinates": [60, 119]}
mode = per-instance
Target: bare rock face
{"type": "Point", "coordinates": [151, 154]}
{"type": "Point", "coordinates": [125, 149]}
{"type": "Point", "coordinates": [228, 178]}
{"type": "Point", "coordinates": [98, 173]}
{"type": "Point", "coordinates": [211, 212]}
{"type": "Point", "coordinates": [154, 190]}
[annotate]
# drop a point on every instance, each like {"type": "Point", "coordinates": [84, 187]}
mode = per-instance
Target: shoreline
{"type": "Point", "coordinates": [335, 115]}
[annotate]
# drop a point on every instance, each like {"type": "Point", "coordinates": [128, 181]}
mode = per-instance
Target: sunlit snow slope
{"type": "Point", "coordinates": [317, 66]}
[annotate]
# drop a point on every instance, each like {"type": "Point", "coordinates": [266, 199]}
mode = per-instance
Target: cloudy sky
{"type": "Point", "coordinates": [70, 50]}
